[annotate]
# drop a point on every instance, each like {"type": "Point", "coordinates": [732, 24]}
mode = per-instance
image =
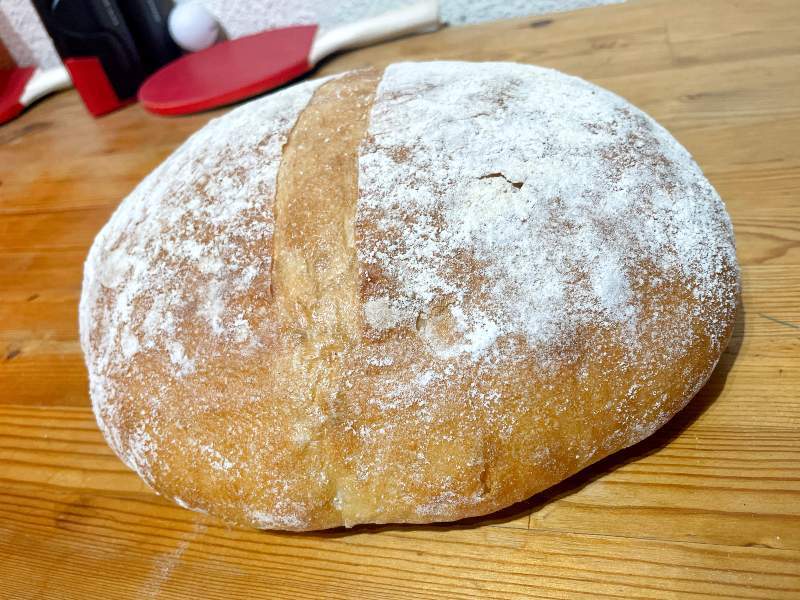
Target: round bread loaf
{"type": "Point", "coordinates": [413, 295]}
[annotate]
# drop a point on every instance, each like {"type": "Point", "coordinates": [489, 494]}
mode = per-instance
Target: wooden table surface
{"type": "Point", "coordinates": [709, 506]}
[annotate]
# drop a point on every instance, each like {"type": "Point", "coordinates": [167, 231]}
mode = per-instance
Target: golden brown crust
{"type": "Point", "coordinates": [303, 320]}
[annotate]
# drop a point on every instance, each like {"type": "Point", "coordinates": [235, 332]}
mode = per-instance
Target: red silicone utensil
{"type": "Point", "coordinates": [21, 86]}
{"type": "Point", "coordinates": [240, 68]}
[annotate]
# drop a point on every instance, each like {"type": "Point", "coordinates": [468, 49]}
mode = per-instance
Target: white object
{"type": "Point", "coordinates": [192, 27]}
{"type": "Point", "coordinates": [44, 82]}
{"type": "Point", "coordinates": [417, 17]}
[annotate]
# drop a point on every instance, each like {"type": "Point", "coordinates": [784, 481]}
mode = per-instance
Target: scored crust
{"type": "Point", "coordinates": [404, 296]}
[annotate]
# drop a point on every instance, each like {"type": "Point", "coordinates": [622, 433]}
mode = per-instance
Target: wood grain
{"type": "Point", "coordinates": [707, 507]}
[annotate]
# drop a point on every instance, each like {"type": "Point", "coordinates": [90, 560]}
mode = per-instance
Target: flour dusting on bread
{"type": "Point", "coordinates": [479, 280]}
{"type": "Point", "coordinates": [552, 190]}
{"type": "Point", "coordinates": [203, 216]}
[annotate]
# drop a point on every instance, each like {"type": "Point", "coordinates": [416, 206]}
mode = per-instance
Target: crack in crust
{"type": "Point", "coordinates": [315, 268]}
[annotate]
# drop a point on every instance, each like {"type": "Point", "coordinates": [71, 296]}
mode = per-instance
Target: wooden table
{"type": "Point", "coordinates": [709, 506]}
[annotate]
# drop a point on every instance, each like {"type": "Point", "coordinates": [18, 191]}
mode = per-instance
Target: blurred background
{"type": "Point", "coordinates": [28, 43]}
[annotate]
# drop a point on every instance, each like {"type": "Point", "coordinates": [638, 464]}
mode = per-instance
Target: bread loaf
{"type": "Point", "coordinates": [410, 295]}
